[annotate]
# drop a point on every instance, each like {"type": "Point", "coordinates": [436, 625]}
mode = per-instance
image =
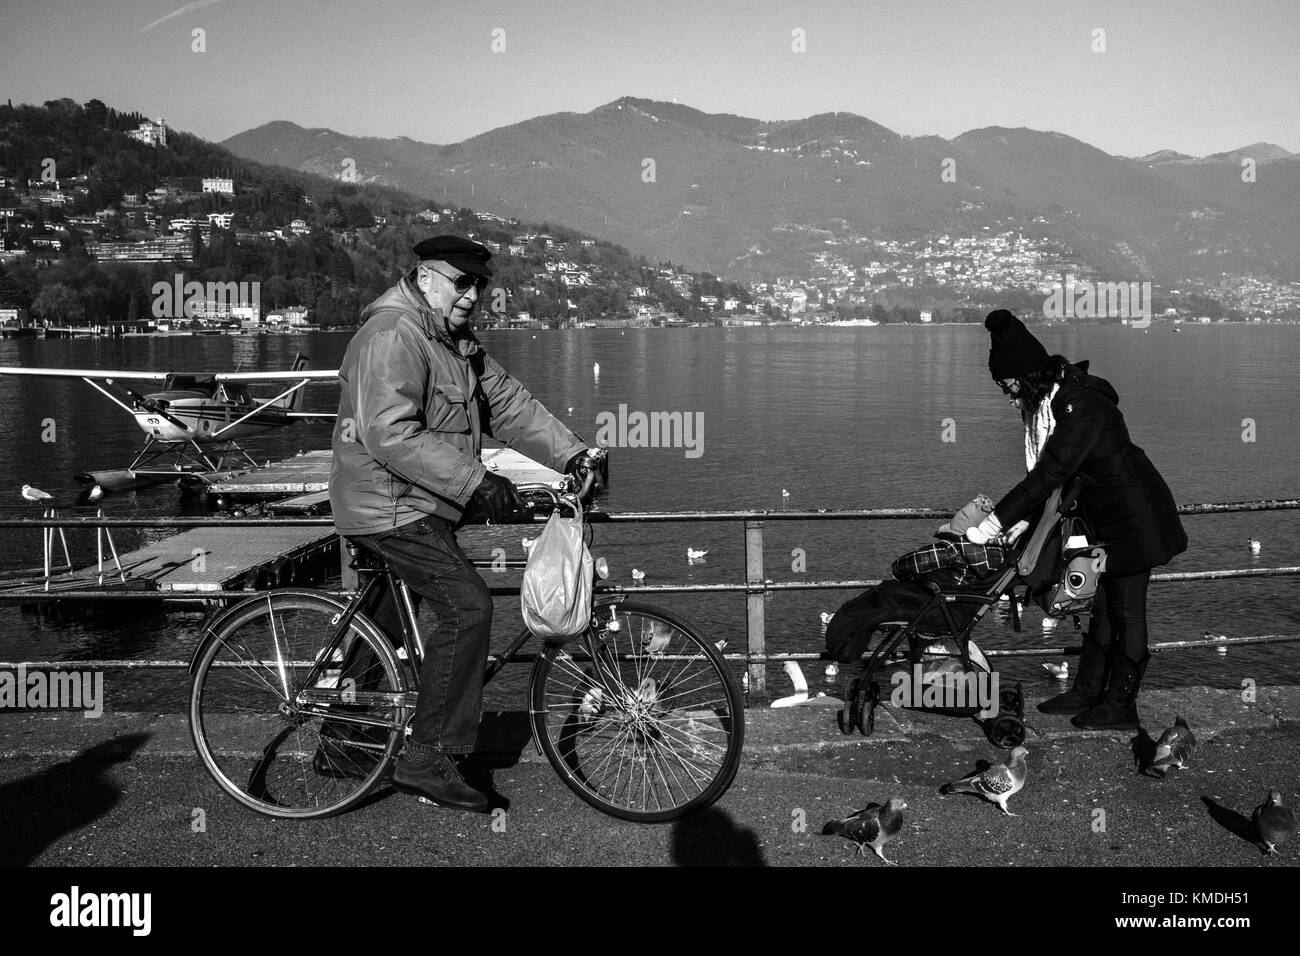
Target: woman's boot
{"type": "Point", "coordinates": [1089, 681]}
{"type": "Point", "coordinates": [1118, 707]}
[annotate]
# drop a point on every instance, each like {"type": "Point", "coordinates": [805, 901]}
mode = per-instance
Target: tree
{"type": "Point", "coordinates": [58, 304]}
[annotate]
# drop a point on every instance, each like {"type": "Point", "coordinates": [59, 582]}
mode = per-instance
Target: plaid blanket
{"type": "Point", "coordinates": [963, 560]}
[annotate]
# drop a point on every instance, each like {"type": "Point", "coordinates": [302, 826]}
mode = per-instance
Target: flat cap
{"type": "Point", "coordinates": [465, 255]}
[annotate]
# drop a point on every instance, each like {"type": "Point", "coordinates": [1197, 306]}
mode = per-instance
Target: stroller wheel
{"type": "Point", "coordinates": [850, 715]}
{"type": "Point", "coordinates": [873, 698]}
{"type": "Point", "coordinates": [1012, 701]}
{"type": "Point", "coordinates": [1005, 731]}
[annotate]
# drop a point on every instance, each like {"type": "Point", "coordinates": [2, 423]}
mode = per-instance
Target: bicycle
{"type": "Point", "coordinates": [638, 714]}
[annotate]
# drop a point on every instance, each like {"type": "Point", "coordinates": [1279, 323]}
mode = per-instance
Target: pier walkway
{"type": "Point", "coordinates": [126, 789]}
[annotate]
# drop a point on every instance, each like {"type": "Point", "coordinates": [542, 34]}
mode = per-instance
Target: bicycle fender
{"type": "Point", "coordinates": [216, 621]}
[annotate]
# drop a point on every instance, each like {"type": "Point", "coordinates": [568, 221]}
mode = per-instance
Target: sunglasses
{"type": "Point", "coordinates": [1009, 386]}
{"type": "Point", "coordinates": [465, 281]}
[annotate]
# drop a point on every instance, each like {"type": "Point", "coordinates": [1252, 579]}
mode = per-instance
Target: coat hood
{"type": "Point", "coordinates": [406, 298]}
{"type": "Point", "coordinates": [1077, 374]}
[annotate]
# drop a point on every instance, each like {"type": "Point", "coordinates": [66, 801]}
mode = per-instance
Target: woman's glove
{"type": "Point", "coordinates": [1017, 529]}
{"type": "Point", "coordinates": [985, 531]}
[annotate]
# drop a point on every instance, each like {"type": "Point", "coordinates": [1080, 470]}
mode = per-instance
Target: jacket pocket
{"type": "Point", "coordinates": [448, 410]}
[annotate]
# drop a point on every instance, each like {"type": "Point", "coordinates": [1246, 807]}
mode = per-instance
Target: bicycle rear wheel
{"type": "Point", "coordinates": [641, 720]}
{"type": "Point", "coordinates": [290, 716]}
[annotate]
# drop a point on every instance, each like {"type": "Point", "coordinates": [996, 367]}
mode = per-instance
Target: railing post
{"type": "Point", "coordinates": [756, 643]}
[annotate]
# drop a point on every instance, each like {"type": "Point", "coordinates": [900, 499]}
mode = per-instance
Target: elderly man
{"type": "Point", "coordinates": [418, 394]}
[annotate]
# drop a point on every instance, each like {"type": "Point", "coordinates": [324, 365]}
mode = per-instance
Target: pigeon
{"type": "Point", "coordinates": [800, 682]}
{"type": "Point", "coordinates": [661, 633]}
{"type": "Point", "coordinates": [693, 554]}
{"type": "Point", "coordinates": [592, 704]}
{"type": "Point", "coordinates": [638, 575]}
{"type": "Point", "coordinates": [1173, 749]}
{"type": "Point", "coordinates": [1254, 545]}
{"type": "Point", "coordinates": [1060, 671]}
{"type": "Point", "coordinates": [35, 494]}
{"type": "Point", "coordinates": [999, 783]}
{"type": "Point", "coordinates": [872, 826]}
{"type": "Point", "coordinates": [1273, 822]}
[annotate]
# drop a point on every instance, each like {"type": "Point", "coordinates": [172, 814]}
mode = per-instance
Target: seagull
{"type": "Point", "coordinates": [638, 575]}
{"type": "Point", "coordinates": [95, 493]}
{"type": "Point", "coordinates": [693, 554]}
{"type": "Point", "coordinates": [1173, 749]}
{"type": "Point", "coordinates": [528, 544]}
{"type": "Point", "coordinates": [826, 617]}
{"type": "Point", "coordinates": [872, 826]}
{"type": "Point", "coordinates": [570, 409]}
{"type": "Point", "coordinates": [1254, 545]}
{"type": "Point", "coordinates": [1222, 648]}
{"type": "Point", "coordinates": [800, 695]}
{"type": "Point", "coordinates": [1060, 671]}
{"type": "Point", "coordinates": [999, 783]}
{"type": "Point", "coordinates": [1049, 623]}
{"type": "Point", "coordinates": [1273, 822]}
{"type": "Point", "coordinates": [35, 494]}
{"type": "Point", "coordinates": [785, 493]}
{"type": "Point", "coordinates": [832, 670]}
{"type": "Point", "coordinates": [595, 369]}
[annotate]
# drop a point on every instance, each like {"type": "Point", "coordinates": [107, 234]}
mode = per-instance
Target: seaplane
{"type": "Point", "coordinates": [193, 423]}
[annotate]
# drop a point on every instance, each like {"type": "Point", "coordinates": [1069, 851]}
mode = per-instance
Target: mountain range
{"type": "Point", "coordinates": [747, 198]}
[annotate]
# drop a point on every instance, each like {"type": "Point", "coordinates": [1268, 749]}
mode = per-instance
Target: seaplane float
{"type": "Point", "coordinates": [193, 423]}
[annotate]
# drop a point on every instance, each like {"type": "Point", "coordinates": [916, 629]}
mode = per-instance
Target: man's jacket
{"type": "Point", "coordinates": [413, 409]}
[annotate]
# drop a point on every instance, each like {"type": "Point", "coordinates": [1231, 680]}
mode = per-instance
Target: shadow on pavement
{"type": "Point", "coordinates": [710, 838]}
{"type": "Point", "coordinates": [1232, 821]}
{"type": "Point", "coordinates": [1144, 751]}
{"type": "Point", "coordinates": [65, 797]}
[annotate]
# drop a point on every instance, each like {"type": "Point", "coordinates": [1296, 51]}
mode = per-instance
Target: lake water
{"type": "Point", "coordinates": [840, 418]}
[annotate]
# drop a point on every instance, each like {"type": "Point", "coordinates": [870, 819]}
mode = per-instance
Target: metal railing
{"type": "Point", "coordinates": [755, 586]}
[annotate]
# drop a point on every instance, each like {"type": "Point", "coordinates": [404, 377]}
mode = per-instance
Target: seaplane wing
{"type": "Point", "coordinates": [254, 377]}
{"type": "Point", "coordinates": [97, 374]}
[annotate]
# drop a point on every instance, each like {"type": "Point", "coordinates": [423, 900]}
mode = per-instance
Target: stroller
{"type": "Point", "coordinates": [929, 621]}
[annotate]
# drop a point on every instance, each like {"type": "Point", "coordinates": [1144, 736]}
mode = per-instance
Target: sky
{"type": "Point", "coordinates": [1195, 76]}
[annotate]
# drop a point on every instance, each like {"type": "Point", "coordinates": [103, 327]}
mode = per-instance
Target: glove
{"type": "Point", "coordinates": [985, 531]}
{"type": "Point", "coordinates": [594, 460]}
{"type": "Point", "coordinates": [1016, 531]}
{"type": "Point", "coordinates": [495, 499]}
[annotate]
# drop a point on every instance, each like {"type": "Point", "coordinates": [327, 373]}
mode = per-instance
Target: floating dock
{"type": "Point", "coordinates": [306, 475]}
{"type": "Point", "coordinates": [216, 559]}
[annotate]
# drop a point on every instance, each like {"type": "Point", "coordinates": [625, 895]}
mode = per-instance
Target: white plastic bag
{"type": "Point", "coordinates": [556, 590]}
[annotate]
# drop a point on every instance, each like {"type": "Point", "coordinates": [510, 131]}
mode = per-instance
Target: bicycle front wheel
{"type": "Point", "coordinates": [292, 716]}
{"type": "Point", "coordinates": [640, 718]}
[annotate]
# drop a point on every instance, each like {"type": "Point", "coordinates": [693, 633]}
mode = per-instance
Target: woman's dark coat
{"type": "Point", "coordinates": [1128, 505]}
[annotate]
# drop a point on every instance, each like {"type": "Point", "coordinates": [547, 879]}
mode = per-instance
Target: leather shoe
{"type": "Point", "coordinates": [435, 777]}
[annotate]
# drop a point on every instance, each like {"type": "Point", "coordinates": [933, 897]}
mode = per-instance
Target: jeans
{"type": "Point", "coordinates": [1119, 614]}
{"type": "Point", "coordinates": [426, 556]}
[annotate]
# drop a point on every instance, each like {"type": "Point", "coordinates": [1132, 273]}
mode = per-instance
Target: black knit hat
{"type": "Point", "coordinates": [1014, 352]}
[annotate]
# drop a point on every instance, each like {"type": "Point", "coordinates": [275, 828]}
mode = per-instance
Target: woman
{"type": "Point", "coordinates": [1073, 426]}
